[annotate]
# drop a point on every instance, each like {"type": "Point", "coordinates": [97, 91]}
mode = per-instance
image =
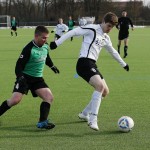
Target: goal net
{"type": "Point", "coordinates": [4, 21]}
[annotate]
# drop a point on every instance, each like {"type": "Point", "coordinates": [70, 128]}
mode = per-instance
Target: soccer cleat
{"type": "Point", "coordinates": [83, 117]}
{"type": "Point", "coordinates": [92, 123]}
{"type": "Point", "coordinates": [125, 55]}
{"type": "Point", "coordinates": [45, 125]}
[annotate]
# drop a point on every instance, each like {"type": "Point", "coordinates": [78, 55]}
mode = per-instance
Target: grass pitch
{"type": "Point", "coordinates": [129, 95]}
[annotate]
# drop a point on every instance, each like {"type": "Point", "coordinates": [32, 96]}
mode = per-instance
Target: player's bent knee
{"type": "Point", "coordinates": [100, 88]}
{"type": "Point", "coordinates": [16, 101]}
{"type": "Point", "coordinates": [49, 99]}
{"type": "Point", "coordinates": [105, 93]}
{"type": "Point", "coordinates": [13, 101]}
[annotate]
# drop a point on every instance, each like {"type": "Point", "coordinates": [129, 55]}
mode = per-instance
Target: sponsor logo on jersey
{"type": "Point", "coordinates": [21, 56]}
{"type": "Point", "coordinates": [41, 59]}
{"type": "Point", "coordinates": [99, 42]}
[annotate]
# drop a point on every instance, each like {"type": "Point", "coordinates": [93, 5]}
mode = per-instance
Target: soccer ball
{"type": "Point", "coordinates": [125, 124]}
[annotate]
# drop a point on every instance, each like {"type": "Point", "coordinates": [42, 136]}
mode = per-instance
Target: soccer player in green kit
{"type": "Point", "coordinates": [13, 26]}
{"type": "Point", "coordinates": [71, 24]}
{"type": "Point", "coordinates": [29, 76]}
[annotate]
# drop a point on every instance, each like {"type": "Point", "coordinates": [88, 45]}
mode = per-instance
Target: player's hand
{"type": "Point", "coordinates": [54, 68]}
{"type": "Point", "coordinates": [52, 31]}
{"type": "Point", "coordinates": [53, 45]}
{"type": "Point", "coordinates": [126, 67]}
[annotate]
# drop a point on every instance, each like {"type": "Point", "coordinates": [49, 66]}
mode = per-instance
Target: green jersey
{"type": "Point", "coordinates": [32, 60]}
{"type": "Point", "coordinates": [13, 23]}
{"type": "Point", "coordinates": [71, 24]}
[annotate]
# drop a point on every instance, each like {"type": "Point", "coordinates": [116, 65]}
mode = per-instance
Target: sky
{"type": "Point", "coordinates": [145, 1]}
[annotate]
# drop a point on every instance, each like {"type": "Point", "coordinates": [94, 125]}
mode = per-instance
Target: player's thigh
{"type": "Point", "coordinates": [126, 41]}
{"type": "Point", "coordinates": [15, 99]}
{"type": "Point", "coordinates": [119, 42]}
{"type": "Point", "coordinates": [45, 94]}
{"type": "Point", "coordinates": [97, 82]}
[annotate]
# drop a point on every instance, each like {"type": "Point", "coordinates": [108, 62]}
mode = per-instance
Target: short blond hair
{"type": "Point", "coordinates": [110, 18]}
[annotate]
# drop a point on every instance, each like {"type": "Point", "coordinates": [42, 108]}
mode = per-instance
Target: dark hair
{"type": "Point", "coordinates": [110, 18]}
{"type": "Point", "coordinates": [124, 10]}
{"type": "Point", "coordinates": [41, 29]}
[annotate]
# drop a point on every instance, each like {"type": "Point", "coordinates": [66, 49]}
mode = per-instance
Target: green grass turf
{"type": "Point", "coordinates": [129, 95]}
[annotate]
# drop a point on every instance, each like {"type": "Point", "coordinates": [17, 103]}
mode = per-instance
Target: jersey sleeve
{"type": "Point", "coordinates": [114, 53]}
{"type": "Point", "coordinates": [49, 61]}
{"type": "Point", "coordinates": [66, 28]}
{"type": "Point", "coordinates": [74, 23]}
{"type": "Point", "coordinates": [131, 23]}
{"type": "Point", "coordinates": [118, 25]}
{"type": "Point", "coordinates": [16, 23]}
{"type": "Point", "coordinates": [75, 32]}
{"type": "Point", "coordinates": [22, 60]}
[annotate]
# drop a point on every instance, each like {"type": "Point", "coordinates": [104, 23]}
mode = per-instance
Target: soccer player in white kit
{"type": "Point", "coordinates": [94, 39]}
{"type": "Point", "coordinates": [60, 29]}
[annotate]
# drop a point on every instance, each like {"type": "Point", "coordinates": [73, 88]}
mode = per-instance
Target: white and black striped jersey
{"type": "Point", "coordinates": [60, 29]}
{"type": "Point", "coordinates": [94, 39]}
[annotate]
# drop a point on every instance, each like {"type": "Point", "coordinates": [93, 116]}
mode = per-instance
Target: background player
{"type": "Point", "coordinates": [71, 24]}
{"type": "Point", "coordinates": [94, 39]}
{"type": "Point", "coordinates": [60, 29]}
{"type": "Point", "coordinates": [123, 26]}
{"type": "Point", "coordinates": [29, 72]}
{"type": "Point", "coordinates": [13, 26]}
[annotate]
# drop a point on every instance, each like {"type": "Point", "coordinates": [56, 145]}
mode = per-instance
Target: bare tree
{"type": "Point", "coordinates": [51, 10]}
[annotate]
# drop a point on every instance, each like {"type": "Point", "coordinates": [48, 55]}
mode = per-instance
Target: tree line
{"type": "Point", "coordinates": [51, 10]}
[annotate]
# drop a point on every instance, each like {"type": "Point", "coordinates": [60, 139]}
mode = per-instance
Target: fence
{"type": "Point", "coordinates": [142, 23]}
{"type": "Point", "coordinates": [53, 23]}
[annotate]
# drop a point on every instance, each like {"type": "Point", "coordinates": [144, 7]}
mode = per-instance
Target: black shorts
{"type": "Point", "coordinates": [32, 84]}
{"type": "Point", "coordinates": [86, 68]}
{"type": "Point", "coordinates": [123, 35]}
{"type": "Point", "coordinates": [14, 28]}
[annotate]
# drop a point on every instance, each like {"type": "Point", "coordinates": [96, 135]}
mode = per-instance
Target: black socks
{"type": "Point", "coordinates": [44, 111]}
{"type": "Point", "coordinates": [4, 107]}
{"type": "Point", "coordinates": [125, 51]}
{"type": "Point", "coordinates": [119, 49]}
{"type": "Point", "coordinates": [11, 33]}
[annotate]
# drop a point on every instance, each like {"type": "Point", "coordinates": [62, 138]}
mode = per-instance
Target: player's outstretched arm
{"type": "Point", "coordinates": [115, 54]}
{"type": "Point", "coordinates": [75, 32]}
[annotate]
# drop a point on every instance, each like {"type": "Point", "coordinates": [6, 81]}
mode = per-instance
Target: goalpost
{"type": "Point", "coordinates": [4, 21]}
